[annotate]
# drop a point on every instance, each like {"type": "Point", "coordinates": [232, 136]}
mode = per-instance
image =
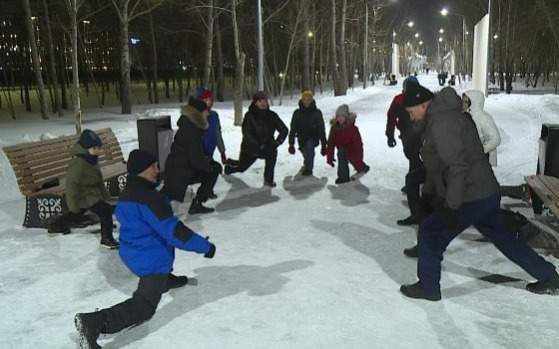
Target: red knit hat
{"type": "Point", "coordinates": [206, 94]}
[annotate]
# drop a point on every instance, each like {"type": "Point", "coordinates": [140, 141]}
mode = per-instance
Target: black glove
{"type": "Point", "coordinates": [451, 217]}
{"type": "Point", "coordinates": [391, 142]}
{"type": "Point", "coordinates": [291, 149]}
{"type": "Point", "coordinates": [211, 252]}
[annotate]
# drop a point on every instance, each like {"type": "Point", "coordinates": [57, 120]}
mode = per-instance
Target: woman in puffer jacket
{"type": "Point", "coordinates": [473, 102]}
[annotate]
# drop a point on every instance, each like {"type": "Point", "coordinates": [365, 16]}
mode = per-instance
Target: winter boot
{"type": "Point", "coordinates": [212, 195]}
{"type": "Point", "coordinates": [417, 291]}
{"type": "Point", "coordinates": [404, 190]}
{"type": "Point", "coordinates": [89, 326]}
{"type": "Point", "coordinates": [228, 169]}
{"type": "Point", "coordinates": [57, 229]}
{"type": "Point", "coordinates": [198, 208]}
{"type": "Point", "coordinates": [412, 252]}
{"type": "Point", "coordinates": [110, 243]}
{"type": "Point", "coordinates": [550, 286]}
{"type": "Point", "coordinates": [176, 281]}
{"type": "Point", "coordinates": [411, 220]}
{"type": "Point", "coordinates": [270, 184]}
{"type": "Point", "coordinates": [306, 172]}
{"type": "Point", "coordinates": [342, 180]}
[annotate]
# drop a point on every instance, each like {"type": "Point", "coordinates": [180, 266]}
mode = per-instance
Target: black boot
{"type": "Point", "coordinates": [342, 180]}
{"type": "Point", "coordinates": [306, 172]}
{"type": "Point", "coordinates": [550, 286]}
{"type": "Point", "coordinates": [411, 220]}
{"type": "Point", "coordinates": [198, 208]}
{"type": "Point", "coordinates": [212, 196]}
{"type": "Point", "coordinates": [110, 243]}
{"type": "Point", "coordinates": [176, 281]}
{"type": "Point", "coordinates": [270, 184]}
{"type": "Point", "coordinates": [417, 291]}
{"type": "Point", "coordinates": [54, 228]}
{"type": "Point", "coordinates": [412, 252]}
{"type": "Point", "coordinates": [89, 326]}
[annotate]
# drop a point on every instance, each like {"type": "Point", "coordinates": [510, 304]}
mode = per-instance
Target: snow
{"type": "Point", "coordinates": [305, 265]}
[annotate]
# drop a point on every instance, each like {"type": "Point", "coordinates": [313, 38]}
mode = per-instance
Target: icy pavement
{"type": "Point", "coordinates": [305, 265]}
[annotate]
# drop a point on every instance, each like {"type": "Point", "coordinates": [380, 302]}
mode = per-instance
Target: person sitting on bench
{"type": "Point", "coordinates": [85, 190]}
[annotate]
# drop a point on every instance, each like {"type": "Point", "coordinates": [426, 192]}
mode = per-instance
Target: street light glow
{"type": "Point", "coordinates": [496, 36]}
{"type": "Point", "coordinates": [410, 24]}
{"type": "Point", "coordinates": [420, 43]}
{"type": "Point", "coordinates": [440, 39]}
{"type": "Point", "coordinates": [416, 35]}
{"type": "Point", "coordinates": [444, 12]}
{"type": "Point", "coordinates": [310, 34]}
{"type": "Point", "coordinates": [86, 22]}
{"type": "Point", "coordinates": [441, 31]}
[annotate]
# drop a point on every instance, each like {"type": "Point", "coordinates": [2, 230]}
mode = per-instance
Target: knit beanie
{"type": "Point", "coordinates": [205, 94]}
{"type": "Point", "coordinates": [197, 104]}
{"type": "Point", "coordinates": [416, 94]}
{"type": "Point", "coordinates": [138, 161]}
{"type": "Point", "coordinates": [259, 96]}
{"type": "Point", "coordinates": [89, 139]}
{"type": "Point", "coordinates": [343, 110]}
{"type": "Point", "coordinates": [307, 94]}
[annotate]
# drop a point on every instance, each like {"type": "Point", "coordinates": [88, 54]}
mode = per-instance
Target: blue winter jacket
{"type": "Point", "coordinates": [212, 136]}
{"type": "Point", "coordinates": [149, 232]}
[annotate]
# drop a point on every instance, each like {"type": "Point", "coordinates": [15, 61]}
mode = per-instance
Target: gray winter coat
{"type": "Point", "coordinates": [457, 169]}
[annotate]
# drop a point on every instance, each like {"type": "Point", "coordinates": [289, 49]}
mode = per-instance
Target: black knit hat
{"type": "Point", "coordinates": [416, 94]}
{"type": "Point", "coordinates": [89, 139]}
{"type": "Point", "coordinates": [197, 104]}
{"type": "Point", "coordinates": [138, 161]}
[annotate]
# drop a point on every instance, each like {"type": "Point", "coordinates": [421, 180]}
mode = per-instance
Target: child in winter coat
{"type": "Point", "coordinates": [345, 136]}
{"type": "Point", "coordinates": [307, 125]}
{"type": "Point", "coordinates": [472, 103]}
{"type": "Point", "coordinates": [85, 190]}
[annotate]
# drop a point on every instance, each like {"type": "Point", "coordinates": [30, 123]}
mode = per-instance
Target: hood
{"type": "Point", "coordinates": [196, 117]}
{"type": "Point", "coordinates": [350, 120]}
{"type": "Point", "coordinates": [303, 108]}
{"type": "Point", "coordinates": [477, 98]}
{"type": "Point", "coordinates": [78, 149]}
{"type": "Point", "coordinates": [445, 100]}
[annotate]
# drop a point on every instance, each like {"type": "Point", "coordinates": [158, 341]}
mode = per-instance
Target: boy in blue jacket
{"type": "Point", "coordinates": [149, 234]}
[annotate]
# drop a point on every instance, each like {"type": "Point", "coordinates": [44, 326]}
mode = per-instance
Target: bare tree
{"type": "Point", "coordinates": [154, 68]}
{"type": "Point", "coordinates": [239, 68]}
{"type": "Point", "coordinates": [209, 44]}
{"type": "Point", "coordinates": [52, 60]}
{"type": "Point", "coordinates": [343, 59]}
{"type": "Point", "coordinates": [338, 86]}
{"type": "Point", "coordinates": [289, 50]}
{"type": "Point", "coordinates": [35, 57]}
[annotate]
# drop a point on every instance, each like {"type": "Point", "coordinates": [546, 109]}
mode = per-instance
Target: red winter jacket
{"type": "Point", "coordinates": [347, 138]}
{"type": "Point", "coordinates": [393, 115]}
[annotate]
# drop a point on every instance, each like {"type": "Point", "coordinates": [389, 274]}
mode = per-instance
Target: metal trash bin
{"type": "Point", "coordinates": [548, 158]}
{"type": "Point", "coordinates": [155, 135]}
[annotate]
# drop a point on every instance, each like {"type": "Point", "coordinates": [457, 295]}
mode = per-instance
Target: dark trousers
{"type": "Point", "coordinates": [343, 164]}
{"type": "Point", "coordinates": [485, 215]}
{"type": "Point", "coordinates": [414, 179]}
{"type": "Point", "coordinates": [270, 156]}
{"type": "Point", "coordinates": [137, 309]}
{"type": "Point", "coordinates": [308, 154]}
{"type": "Point", "coordinates": [207, 181]}
{"type": "Point", "coordinates": [101, 209]}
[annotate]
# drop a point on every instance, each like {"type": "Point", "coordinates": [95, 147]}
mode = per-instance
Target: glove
{"type": "Point", "coordinates": [323, 150]}
{"type": "Point", "coordinates": [291, 149]}
{"type": "Point", "coordinates": [223, 158]}
{"type": "Point", "coordinates": [451, 217]}
{"type": "Point", "coordinates": [391, 142]}
{"type": "Point", "coordinates": [331, 162]}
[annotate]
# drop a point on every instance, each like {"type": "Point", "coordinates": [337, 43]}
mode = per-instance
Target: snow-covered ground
{"type": "Point", "coordinates": [305, 265]}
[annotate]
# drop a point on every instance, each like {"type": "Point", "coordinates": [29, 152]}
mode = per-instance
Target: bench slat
{"type": "Point", "coordinates": [547, 189]}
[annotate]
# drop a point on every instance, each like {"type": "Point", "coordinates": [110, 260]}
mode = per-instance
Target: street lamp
{"type": "Point", "coordinates": [444, 12]}
{"type": "Point", "coordinates": [310, 34]}
{"type": "Point", "coordinates": [410, 24]}
{"type": "Point", "coordinates": [441, 31]}
{"type": "Point", "coordinates": [416, 35]}
{"type": "Point", "coordinates": [440, 39]}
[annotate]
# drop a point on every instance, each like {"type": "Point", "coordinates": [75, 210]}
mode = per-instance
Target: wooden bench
{"type": "Point", "coordinates": [40, 169]}
{"type": "Point", "coordinates": [547, 190]}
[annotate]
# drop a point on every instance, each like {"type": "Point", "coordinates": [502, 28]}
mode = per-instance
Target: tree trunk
{"type": "Point", "coordinates": [73, 10]}
{"type": "Point", "coordinates": [286, 69]}
{"type": "Point", "coordinates": [52, 60]}
{"type": "Point", "coordinates": [35, 58]}
{"type": "Point", "coordinates": [126, 103]}
{"type": "Point", "coordinates": [366, 48]}
{"type": "Point", "coordinates": [338, 88]}
{"type": "Point", "coordinates": [209, 45]}
{"type": "Point", "coordinates": [219, 57]}
{"type": "Point", "coordinates": [343, 59]}
{"type": "Point", "coordinates": [154, 62]}
{"type": "Point", "coordinates": [306, 84]}
{"type": "Point", "coordinates": [239, 69]}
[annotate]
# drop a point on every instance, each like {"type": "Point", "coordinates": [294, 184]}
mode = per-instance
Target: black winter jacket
{"type": "Point", "coordinates": [259, 128]}
{"type": "Point", "coordinates": [307, 124]}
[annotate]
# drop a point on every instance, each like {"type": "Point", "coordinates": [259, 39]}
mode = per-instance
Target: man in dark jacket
{"type": "Point", "coordinates": [259, 127]}
{"type": "Point", "coordinates": [410, 134]}
{"type": "Point", "coordinates": [149, 234]}
{"type": "Point", "coordinates": [463, 192]}
{"type": "Point", "coordinates": [187, 163]}
{"type": "Point", "coordinates": [307, 125]}
{"type": "Point", "coordinates": [85, 190]}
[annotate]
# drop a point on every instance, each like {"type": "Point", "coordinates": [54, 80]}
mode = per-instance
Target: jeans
{"type": "Point", "coordinates": [485, 215]}
{"type": "Point", "coordinates": [308, 154]}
